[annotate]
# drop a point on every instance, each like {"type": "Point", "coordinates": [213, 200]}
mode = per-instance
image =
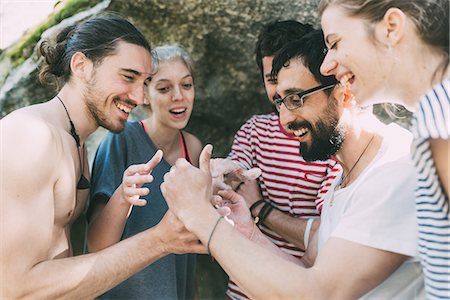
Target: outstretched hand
{"type": "Point", "coordinates": [228, 175]}
{"type": "Point", "coordinates": [134, 177]}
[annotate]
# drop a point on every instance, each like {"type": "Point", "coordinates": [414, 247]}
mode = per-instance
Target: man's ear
{"type": "Point", "coordinates": [81, 66]}
{"type": "Point", "coordinates": [391, 29]}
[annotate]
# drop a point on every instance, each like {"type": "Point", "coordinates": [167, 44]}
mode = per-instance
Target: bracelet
{"type": "Point", "coordinates": [212, 232]}
{"type": "Point", "coordinates": [254, 205]}
{"type": "Point", "coordinates": [263, 213]}
{"type": "Point", "coordinates": [307, 232]}
{"type": "Point", "coordinates": [253, 231]}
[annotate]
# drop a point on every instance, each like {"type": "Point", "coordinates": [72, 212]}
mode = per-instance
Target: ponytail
{"type": "Point", "coordinates": [55, 59]}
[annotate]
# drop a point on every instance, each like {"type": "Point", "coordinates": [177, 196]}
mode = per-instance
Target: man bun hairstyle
{"type": "Point", "coordinates": [96, 38]}
{"type": "Point", "coordinates": [53, 56]}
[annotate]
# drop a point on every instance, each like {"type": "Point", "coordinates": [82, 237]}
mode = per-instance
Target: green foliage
{"type": "Point", "coordinates": [23, 49]}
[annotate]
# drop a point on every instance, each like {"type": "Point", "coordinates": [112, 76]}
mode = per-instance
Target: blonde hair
{"type": "Point", "coordinates": [171, 52]}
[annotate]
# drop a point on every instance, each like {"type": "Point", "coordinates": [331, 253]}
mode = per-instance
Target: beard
{"type": "Point", "coordinates": [94, 101]}
{"type": "Point", "coordinates": [327, 136]}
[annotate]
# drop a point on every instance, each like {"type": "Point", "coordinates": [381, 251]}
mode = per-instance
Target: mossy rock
{"type": "Point", "coordinates": [23, 49]}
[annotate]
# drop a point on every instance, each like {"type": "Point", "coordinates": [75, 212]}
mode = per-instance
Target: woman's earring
{"type": "Point", "coordinates": [389, 47]}
{"type": "Point", "coordinates": [390, 50]}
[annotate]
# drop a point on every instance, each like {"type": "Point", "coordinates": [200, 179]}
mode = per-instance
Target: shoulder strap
{"type": "Point", "coordinates": [184, 147]}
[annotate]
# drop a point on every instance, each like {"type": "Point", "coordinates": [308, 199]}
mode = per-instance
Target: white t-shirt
{"type": "Point", "coordinates": [378, 210]}
{"type": "Point", "coordinates": [287, 181]}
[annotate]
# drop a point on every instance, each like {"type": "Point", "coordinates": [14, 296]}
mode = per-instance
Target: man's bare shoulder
{"type": "Point", "coordinates": [28, 125]}
{"type": "Point", "coordinates": [28, 142]}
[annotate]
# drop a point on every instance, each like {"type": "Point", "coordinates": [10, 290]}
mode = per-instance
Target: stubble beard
{"type": "Point", "coordinates": [94, 102]}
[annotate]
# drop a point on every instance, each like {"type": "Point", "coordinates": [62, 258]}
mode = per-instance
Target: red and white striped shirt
{"type": "Point", "coordinates": [289, 182]}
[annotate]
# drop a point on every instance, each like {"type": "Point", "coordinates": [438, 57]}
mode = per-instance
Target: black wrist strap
{"type": "Point", "coordinates": [264, 212]}
{"type": "Point", "coordinates": [254, 205]}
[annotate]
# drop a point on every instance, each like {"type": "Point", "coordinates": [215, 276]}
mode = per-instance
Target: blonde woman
{"type": "Point", "coordinates": [171, 95]}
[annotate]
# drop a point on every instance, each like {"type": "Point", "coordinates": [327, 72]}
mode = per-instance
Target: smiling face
{"type": "Point", "coordinates": [171, 94]}
{"type": "Point", "coordinates": [117, 84]}
{"type": "Point", "coordinates": [355, 57]}
{"type": "Point", "coordinates": [316, 123]}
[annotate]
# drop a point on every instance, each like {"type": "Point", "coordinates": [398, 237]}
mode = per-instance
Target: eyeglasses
{"type": "Point", "coordinates": [294, 101]}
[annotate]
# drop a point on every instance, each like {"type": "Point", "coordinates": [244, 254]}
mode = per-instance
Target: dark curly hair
{"type": "Point", "coordinates": [310, 50]}
{"type": "Point", "coordinates": [275, 35]}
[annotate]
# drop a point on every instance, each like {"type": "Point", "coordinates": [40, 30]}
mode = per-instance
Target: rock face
{"type": "Point", "coordinates": [220, 36]}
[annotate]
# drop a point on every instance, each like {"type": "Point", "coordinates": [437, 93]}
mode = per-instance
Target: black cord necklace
{"type": "Point", "coordinates": [357, 161]}
{"type": "Point", "coordinates": [83, 183]}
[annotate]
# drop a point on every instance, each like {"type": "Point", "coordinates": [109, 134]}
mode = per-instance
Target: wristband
{"type": "Point", "coordinates": [212, 232]}
{"type": "Point", "coordinates": [263, 213]}
{"type": "Point", "coordinates": [307, 232]}
{"type": "Point", "coordinates": [254, 205]}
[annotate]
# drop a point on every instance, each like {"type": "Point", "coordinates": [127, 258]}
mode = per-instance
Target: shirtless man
{"type": "Point", "coordinates": [104, 65]}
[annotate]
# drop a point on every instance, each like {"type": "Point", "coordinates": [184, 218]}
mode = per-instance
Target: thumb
{"type": "Point", "coordinates": [205, 158]}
